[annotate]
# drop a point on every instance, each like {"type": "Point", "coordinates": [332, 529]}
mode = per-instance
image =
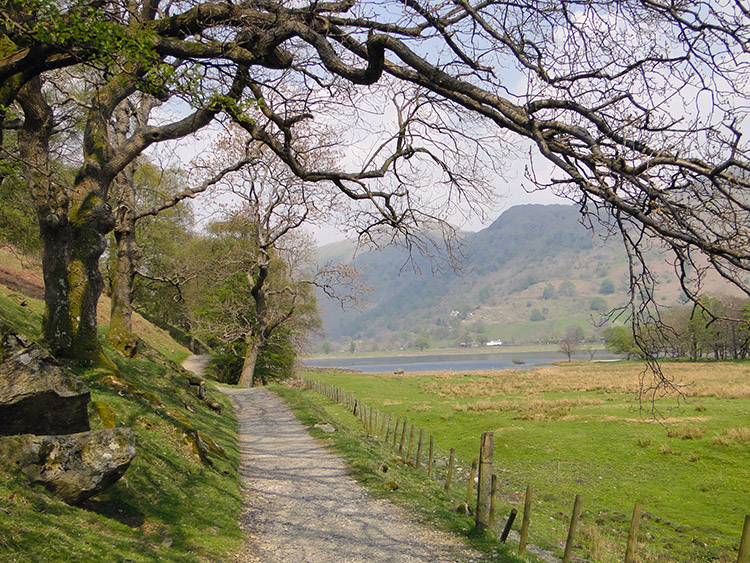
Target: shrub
{"type": "Point", "coordinates": [598, 304]}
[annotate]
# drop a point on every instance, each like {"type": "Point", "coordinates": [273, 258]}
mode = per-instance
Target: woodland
{"type": "Point", "coordinates": [390, 117]}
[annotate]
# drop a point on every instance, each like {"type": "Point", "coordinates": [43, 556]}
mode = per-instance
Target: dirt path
{"type": "Point", "coordinates": [301, 507]}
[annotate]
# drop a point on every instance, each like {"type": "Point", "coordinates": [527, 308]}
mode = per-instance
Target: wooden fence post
{"type": "Point", "coordinates": [572, 531]}
{"type": "Point", "coordinates": [484, 486]}
{"type": "Point", "coordinates": [411, 441]}
{"type": "Point", "coordinates": [419, 448]}
{"type": "Point", "coordinates": [525, 522]}
{"type": "Point", "coordinates": [369, 428]}
{"type": "Point", "coordinates": [633, 535]}
{"type": "Point", "coordinates": [382, 425]}
{"type": "Point", "coordinates": [403, 439]}
{"type": "Point", "coordinates": [388, 430]}
{"type": "Point", "coordinates": [508, 525]}
{"type": "Point", "coordinates": [470, 484]}
{"type": "Point", "coordinates": [449, 473]}
{"type": "Point", "coordinates": [395, 430]}
{"type": "Point", "coordinates": [744, 554]}
{"type": "Point", "coordinates": [492, 501]}
{"type": "Point", "coordinates": [430, 458]}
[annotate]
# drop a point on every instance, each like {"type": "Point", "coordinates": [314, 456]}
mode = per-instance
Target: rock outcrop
{"type": "Point", "coordinates": [72, 467]}
{"type": "Point", "coordinates": [37, 395]}
{"type": "Point", "coordinates": [44, 425]}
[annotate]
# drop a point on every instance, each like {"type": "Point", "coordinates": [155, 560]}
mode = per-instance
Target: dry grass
{"type": "Point", "coordinates": [598, 547]}
{"type": "Point", "coordinates": [687, 432]}
{"type": "Point", "coordinates": [693, 380]}
{"type": "Point", "coordinates": [732, 436]}
{"type": "Point", "coordinates": [533, 409]}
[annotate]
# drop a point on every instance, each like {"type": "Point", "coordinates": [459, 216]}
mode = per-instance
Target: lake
{"type": "Point", "coordinates": [454, 362]}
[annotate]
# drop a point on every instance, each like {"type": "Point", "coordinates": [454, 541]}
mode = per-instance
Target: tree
{"type": "Point", "coordinates": [536, 315]}
{"type": "Point", "coordinates": [567, 289]}
{"type": "Point", "coordinates": [74, 217]}
{"type": "Point", "coordinates": [273, 205]}
{"type": "Point", "coordinates": [620, 340]}
{"type": "Point", "coordinates": [549, 292]}
{"type": "Point", "coordinates": [598, 304]}
{"type": "Point", "coordinates": [607, 287]}
{"type": "Point", "coordinates": [571, 340]}
{"type": "Point", "coordinates": [141, 190]}
{"type": "Point", "coordinates": [421, 343]}
{"type": "Point", "coordinates": [597, 90]}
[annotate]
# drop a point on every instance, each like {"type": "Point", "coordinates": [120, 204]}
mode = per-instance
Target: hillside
{"type": "Point", "coordinates": [178, 501]}
{"type": "Point", "coordinates": [527, 276]}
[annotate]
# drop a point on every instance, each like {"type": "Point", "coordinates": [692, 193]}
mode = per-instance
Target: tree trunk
{"type": "Point", "coordinates": [91, 220]}
{"type": "Point", "coordinates": [121, 335]}
{"type": "Point", "coordinates": [72, 237]}
{"type": "Point", "coordinates": [52, 206]}
{"type": "Point", "coordinates": [247, 378]}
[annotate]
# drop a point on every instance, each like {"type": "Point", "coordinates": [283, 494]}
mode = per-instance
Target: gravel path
{"type": "Point", "coordinates": [302, 507]}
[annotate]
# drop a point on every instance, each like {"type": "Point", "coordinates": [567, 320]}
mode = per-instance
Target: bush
{"type": "Point", "coordinates": [598, 304]}
{"type": "Point", "coordinates": [607, 287]}
{"type": "Point", "coordinates": [536, 315]}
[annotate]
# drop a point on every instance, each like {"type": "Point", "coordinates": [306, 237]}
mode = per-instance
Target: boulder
{"type": "Point", "coordinates": [38, 395]}
{"type": "Point", "coordinates": [72, 467]}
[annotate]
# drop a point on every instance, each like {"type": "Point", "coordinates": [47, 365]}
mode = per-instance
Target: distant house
{"type": "Point", "coordinates": [495, 343]}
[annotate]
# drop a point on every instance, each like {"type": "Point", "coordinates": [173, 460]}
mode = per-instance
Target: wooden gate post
{"type": "Point", "coordinates": [484, 487]}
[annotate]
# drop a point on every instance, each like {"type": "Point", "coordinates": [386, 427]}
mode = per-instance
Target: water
{"type": "Point", "coordinates": [454, 362]}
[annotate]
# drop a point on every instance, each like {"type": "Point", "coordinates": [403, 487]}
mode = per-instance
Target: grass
{"type": "Point", "coordinates": [576, 428]}
{"type": "Point", "coordinates": [376, 465]}
{"type": "Point", "coordinates": [170, 505]}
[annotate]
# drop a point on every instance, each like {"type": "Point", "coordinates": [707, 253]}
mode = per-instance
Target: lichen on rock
{"type": "Point", "coordinates": [73, 467]}
{"type": "Point", "coordinates": [38, 395]}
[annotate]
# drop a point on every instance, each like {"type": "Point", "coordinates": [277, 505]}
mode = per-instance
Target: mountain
{"type": "Point", "coordinates": [531, 273]}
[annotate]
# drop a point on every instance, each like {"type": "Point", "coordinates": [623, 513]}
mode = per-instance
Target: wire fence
{"type": "Point", "coordinates": [418, 449]}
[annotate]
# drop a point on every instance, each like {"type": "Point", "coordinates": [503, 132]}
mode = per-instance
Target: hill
{"type": "Point", "coordinates": [530, 274]}
{"type": "Point", "coordinates": [178, 501]}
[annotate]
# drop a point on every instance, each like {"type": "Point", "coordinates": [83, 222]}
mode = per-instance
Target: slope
{"type": "Point", "coordinates": [178, 501]}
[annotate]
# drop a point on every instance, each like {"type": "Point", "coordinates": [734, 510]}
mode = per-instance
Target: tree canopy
{"type": "Point", "coordinates": [634, 109]}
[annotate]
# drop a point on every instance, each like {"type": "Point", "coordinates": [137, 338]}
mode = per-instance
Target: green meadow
{"type": "Point", "coordinates": [580, 429]}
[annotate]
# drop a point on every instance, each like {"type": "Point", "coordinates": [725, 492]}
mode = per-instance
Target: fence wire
{"type": "Point", "coordinates": [510, 493]}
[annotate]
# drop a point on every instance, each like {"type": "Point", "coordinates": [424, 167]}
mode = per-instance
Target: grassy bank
{"type": "Point", "coordinates": [171, 505]}
{"type": "Point", "coordinates": [374, 465]}
{"type": "Point", "coordinates": [576, 429]}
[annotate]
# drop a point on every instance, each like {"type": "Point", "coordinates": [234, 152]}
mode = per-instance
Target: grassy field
{"type": "Point", "coordinates": [171, 505]}
{"type": "Point", "coordinates": [577, 429]}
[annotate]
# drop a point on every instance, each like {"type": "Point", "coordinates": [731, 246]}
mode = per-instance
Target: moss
{"type": "Point", "coordinates": [105, 413]}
